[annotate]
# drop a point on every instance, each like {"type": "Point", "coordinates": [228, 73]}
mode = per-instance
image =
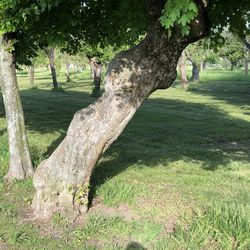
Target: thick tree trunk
{"type": "Point", "coordinates": [51, 55]}
{"type": "Point", "coordinates": [182, 69]}
{"type": "Point", "coordinates": [195, 72]}
{"type": "Point", "coordinates": [32, 75]}
{"type": "Point", "coordinates": [20, 165]}
{"type": "Point", "coordinates": [68, 72]}
{"type": "Point", "coordinates": [61, 181]}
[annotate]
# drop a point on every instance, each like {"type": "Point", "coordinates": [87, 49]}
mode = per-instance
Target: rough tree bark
{"type": "Point", "coordinates": [96, 68]}
{"type": "Point", "coordinates": [20, 165]}
{"type": "Point", "coordinates": [195, 72]}
{"type": "Point", "coordinates": [61, 181]}
{"type": "Point", "coordinates": [51, 55]}
{"type": "Point", "coordinates": [32, 75]}
{"type": "Point", "coordinates": [182, 68]}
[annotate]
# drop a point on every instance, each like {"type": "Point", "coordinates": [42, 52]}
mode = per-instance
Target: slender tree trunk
{"type": "Point", "coordinates": [195, 72]}
{"type": "Point", "coordinates": [97, 80]}
{"type": "Point", "coordinates": [96, 68]}
{"type": "Point", "coordinates": [32, 76]}
{"type": "Point", "coordinates": [247, 63]}
{"type": "Point", "coordinates": [204, 65]}
{"type": "Point", "coordinates": [68, 72]}
{"type": "Point", "coordinates": [92, 67]}
{"type": "Point", "coordinates": [246, 67]}
{"type": "Point", "coordinates": [61, 181]}
{"type": "Point", "coordinates": [51, 55]}
{"type": "Point", "coordinates": [182, 68]}
{"type": "Point", "coordinates": [20, 165]}
{"type": "Point", "coordinates": [233, 64]}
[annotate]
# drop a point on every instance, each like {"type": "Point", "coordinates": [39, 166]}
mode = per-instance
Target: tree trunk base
{"type": "Point", "coordinates": [68, 200]}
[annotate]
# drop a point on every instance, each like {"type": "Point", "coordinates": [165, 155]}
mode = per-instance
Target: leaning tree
{"type": "Point", "coordinates": [163, 29]}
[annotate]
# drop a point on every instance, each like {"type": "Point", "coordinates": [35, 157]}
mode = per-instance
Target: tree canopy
{"type": "Point", "coordinates": [34, 24]}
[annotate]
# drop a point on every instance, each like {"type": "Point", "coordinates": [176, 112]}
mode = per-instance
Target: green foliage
{"type": "Point", "coordinates": [233, 49]}
{"type": "Point", "coordinates": [179, 13]}
{"type": "Point", "coordinates": [80, 193]}
{"type": "Point", "coordinates": [58, 220]}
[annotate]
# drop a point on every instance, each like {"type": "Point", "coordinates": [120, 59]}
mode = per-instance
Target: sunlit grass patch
{"type": "Point", "coordinates": [221, 226]}
{"type": "Point", "coordinates": [118, 191]}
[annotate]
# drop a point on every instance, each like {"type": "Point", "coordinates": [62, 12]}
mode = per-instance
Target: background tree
{"type": "Point", "coordinates": [247, 53]}
{"type": "Point", "coordinates": [182, 69]}
{"type": "Point", "coordinates": [24, 28]}
{"type": "Point", "coordinates": [20, 165]}
{"type": "Point", "coordinates": [195, 55]}
{"type": "Point", "coordinates": [50, 52]}
{"type": "Point", "coordinates": [232, 50]}
{"type": "Point", "coordinates": [99, 57]}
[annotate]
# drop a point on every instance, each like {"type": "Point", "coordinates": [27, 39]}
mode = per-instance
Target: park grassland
{"type": "Point", "coordinates": [177, 178]}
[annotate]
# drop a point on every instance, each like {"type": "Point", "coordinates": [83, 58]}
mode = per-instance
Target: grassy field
{"type": "Point", "coordinates": [177, 178]}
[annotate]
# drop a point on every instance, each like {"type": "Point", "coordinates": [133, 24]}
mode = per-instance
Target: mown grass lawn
{"type": "Point", "coordinates": [177, 178]}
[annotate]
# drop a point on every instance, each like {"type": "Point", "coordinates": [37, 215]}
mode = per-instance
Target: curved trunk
{"type": "Point", "coordinates": [51, 55]}
{"type": "Point", "coordinates": [20, 165]}
{"type": "Point", "coordinates": [32, 75]}
{"type": "Point", "coordinates": [61, 181]}
{"type": "Point", "coordinates": [182, 68]}
{"type": "Point", "coordinates": [195, 72]}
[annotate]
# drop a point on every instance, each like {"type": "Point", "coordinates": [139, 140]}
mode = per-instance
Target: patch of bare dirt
{"type": "Point", "coordinates": [122, 210]}
{"type": "Point", "coordinates": [3, 245]}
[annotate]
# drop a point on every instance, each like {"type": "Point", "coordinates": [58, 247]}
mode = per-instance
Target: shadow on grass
{"type": "Point", "coordinates": [163, 131]}
{"type": "Point", "coordinates": [2, 131]}
{"type": "Point", "coordinates": [233, 92]}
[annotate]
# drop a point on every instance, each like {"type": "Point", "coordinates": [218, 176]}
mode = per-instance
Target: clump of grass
{"type": "Point", "coordinates": [58, 220]}
{"type": "Point", "coordinates": [20, 237]}
{"type": "Point", "coordinates": [106, 228]}
{"type": "Point", "coordinates": [4, 153]}
{"type": "Point", "coordinates": [115, 192]}
{"type": "Point", "coordinates": [7, 211]}
{"type": "Point", "coordinates": [100, 225]}
{"type": "Point", "coordinates": [222, 226]}
{"type": "Point", "coordinates": [59, 89]}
